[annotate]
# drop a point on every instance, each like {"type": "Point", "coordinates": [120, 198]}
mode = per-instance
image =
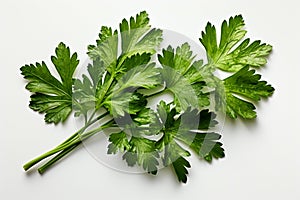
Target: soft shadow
{"type": "Point", "coordinates": [250, 124]}
{"type": "Point", "coordinates": [31, 171]}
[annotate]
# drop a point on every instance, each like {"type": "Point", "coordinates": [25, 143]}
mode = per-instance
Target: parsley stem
{"type": "Point", "coordinates": [91, 117]}
{"type": "Point", "coordinates": [50, 153]}
{"type": "Point", "coordinates": [90, 122]}
{"type": "Point", "coordinates": [105, 90]}
{"type": "Point", "coordinates": [66, 144]}
{"type": "Point", "coordinates": [59, 156]}
{"type": "Point", "coordinates": [67, 150]}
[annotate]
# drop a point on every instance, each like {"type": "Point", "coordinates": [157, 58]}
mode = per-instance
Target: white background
{"type": "Point", "coordinates": [262, 159]}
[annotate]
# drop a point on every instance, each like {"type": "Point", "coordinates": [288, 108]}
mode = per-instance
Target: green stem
{"type": "Point", "coordinates": [59, 156]}
{"type": "Point", "coordinates": [59, 148]}
{"type": "Point", "coordinates": [105, 90]}
{"type": "Point", "coordinates": [92, 116]}
{"type": "Point", "coordinates": [109, 83]}
{"type": "Point", "coordinates": [63, 153]}
{"type": "Point", "coordinates": [86, 135]}
{"type": "Point", "coordinates": [66, 144]}
{"type": "Point", "coordinates": [90, 122]}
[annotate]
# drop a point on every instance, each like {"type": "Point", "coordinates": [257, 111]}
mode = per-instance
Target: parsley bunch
{"type": "Point", "coordinates": [127, 69]}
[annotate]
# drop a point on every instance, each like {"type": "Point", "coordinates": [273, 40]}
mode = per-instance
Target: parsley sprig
{"type": "Point", "coordinates": [123, 75]}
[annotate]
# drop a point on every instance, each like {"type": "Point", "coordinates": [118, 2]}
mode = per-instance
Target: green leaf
{"type": "Point", "coordinates": [224, 55]}
{"type": "Point", "coordinates": [137, 60]}
{"type": "Point", "coordinates": [180, 167]}
{"type": "Point", "coordinates": [144, 117]}
{"type": "Point", "coordinates": [174, 156]}
{"type": "Point", "coordinates": [193, 119]}
{"type": "Point", "coordinates": [135, 36]}
{"type": "Point", "coordinates": [133, 30]}
{"type": "Point", "coordinates": [57, 108]}
{"type": "Point", "coordinates": [180, 60]}
{"type": "Point", "coordinates": [65, 65]}
{"type": "Point", "coordinates": [106, 49]}
{"type": "Point", "coordinates": [247, 84]}
{"type": "Point", "coordinates": [125, 102]}
{"type": "Point", "coordinates": [207, 119]}
{"type": "Point", "coordinates": [138, 124]}
{"type": "Point", "coordinates": [144, 153]}
{"type": "Point", "coordinates": [189, 128]}
{"type": "Point", "coordinates": [238, 107]}
{"type": "Point", "coordinates": [233, 54]}
{"type": "Point", "coordinates": [130, 158]}
{"type": "Point", "coordinates": [184, 94]}
{"type": "Point", "coordinates": [52, 97]}
{"type": "Point", "coordinates": [205, 145]}
{"type": "Point", "coordinates": [119, 143]}
{"type": "Point", "coordinates": [253, 54]}
{"type": "Point", "coordinates": [141, 76]}
{"type": "Point", "coordinates": [86, 91]}
{"type": "Point", "coordinates": [96, 71]}
{"type": "Point", "coordinates": [105, 33]}
{"type": "Point", "coordinates": [183, 78]}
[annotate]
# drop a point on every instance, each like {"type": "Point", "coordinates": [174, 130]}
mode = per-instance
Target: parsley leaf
{"type": "Point", "coordinates": [180, 167]}
{"type": "Point", "coordinates": [106, 49]}
{"type": "Point", "coordinates": [125, 102]}
{"type": "Point", "coordinates": [142, 76]}
{"type": "Point", "coordinates": [52, 96]}
{"type": "Point", "coordinates": [144, 153]}
{"type": "Point", "coordinates": [87, 90]}
{"type": "Point", "coordinates": [182, 77]}
{"type": "Point", "coordinates": [224, 56]}
{"type": "Point", "coordinates": [122, 98]}
{"type": "Point", "coordinates": [119, 142]}
{"type": "Point", "coordinates": [247, 84]}
{"type": "Point", "coordinates": [186, 129]}
{"type": "Point", "coordinates": [237, 93]}
{"type": "Point", "coordinates": [136, 39]}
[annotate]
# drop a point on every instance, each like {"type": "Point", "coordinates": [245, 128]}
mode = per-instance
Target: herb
{"type": "Point", "coordinates": [123, 75]}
